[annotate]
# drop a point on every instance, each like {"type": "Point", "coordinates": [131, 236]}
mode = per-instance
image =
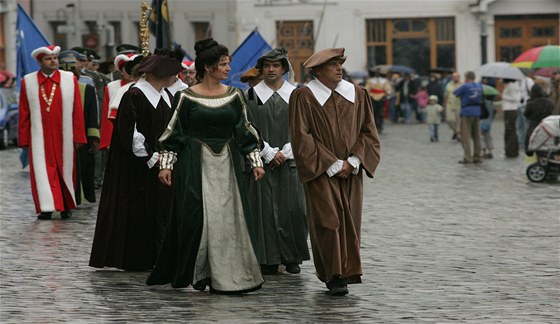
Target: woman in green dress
{"type": "Point", "coordinates": [208, 240]}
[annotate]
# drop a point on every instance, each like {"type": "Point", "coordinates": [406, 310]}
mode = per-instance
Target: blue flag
{"type": "Point", "coordinates": [28, 38]}
{"type": "Point", "coordinates": [245, 57]}
{"type": "Point", "coordinates": [159, 23]}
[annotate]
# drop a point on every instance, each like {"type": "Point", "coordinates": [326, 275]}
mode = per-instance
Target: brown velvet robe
{"type": "Point", "coordinates": [320, 136]}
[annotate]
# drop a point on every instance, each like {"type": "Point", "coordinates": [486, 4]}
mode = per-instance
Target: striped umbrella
{"type": "Point", "coordinates": [539, 57]}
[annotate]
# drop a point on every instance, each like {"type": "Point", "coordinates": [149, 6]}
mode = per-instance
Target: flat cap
{"type": "Point", "coordinates": [276, 54]}
{"type": "Point", "coordinates": [159, 65]}
{"type": "Point", "coordinates": [249, 74]}
{"type": "Point", "coordinates": [323, 56]}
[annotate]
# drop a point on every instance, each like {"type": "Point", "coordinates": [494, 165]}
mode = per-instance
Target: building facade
{"type": "Point", "coordinates": [423, 34]}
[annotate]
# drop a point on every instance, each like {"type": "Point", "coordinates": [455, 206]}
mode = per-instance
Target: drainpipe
{"type": "Point", "coordinates": [480, 9]}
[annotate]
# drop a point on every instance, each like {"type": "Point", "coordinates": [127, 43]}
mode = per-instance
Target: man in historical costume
{"type": "Point", "coordinates": [85, 161]}
{"type": "Point", "coordinates": [134, 207]}
{"type": "Point", "coordinates": [278, 199]}
{"type": "Point", "coordinates": [334, 141]}
{"type": "Point", "coordinates": [111, 91]}
{"type": "Point", "coordinates": [124, 49]}
{"type": "Point", "coordinates": [51, 125]}
{"type": "Point", "coordinates": [188, 73]}
{"type": "Point", "coordinates": [379, 89]}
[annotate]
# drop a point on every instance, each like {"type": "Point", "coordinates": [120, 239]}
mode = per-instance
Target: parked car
{"type": "Point", "coordinates": [9, 110]}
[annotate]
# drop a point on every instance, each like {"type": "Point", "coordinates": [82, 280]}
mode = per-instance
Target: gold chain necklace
{"type": "Point", "coordinates": [48, 100]}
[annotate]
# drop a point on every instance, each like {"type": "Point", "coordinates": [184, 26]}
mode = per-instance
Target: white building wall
{"type": "Point", "coordinates": [343, 23]}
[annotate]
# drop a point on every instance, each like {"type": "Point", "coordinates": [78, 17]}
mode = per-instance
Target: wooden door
{"type": "Point", "coordinates": [297, 38]}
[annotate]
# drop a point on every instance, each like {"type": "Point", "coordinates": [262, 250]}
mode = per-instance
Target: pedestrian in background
{"type": "Point", "coordinates": [85, 155]}
{"type": "Point", "coordinates": [209, 237]}
{"type": "Point", "coordinates": [433, 117]}
{"type": "Point", "coordinates": [555, 93]}
{"type": "Point", "coordinates": [334, 141]}
{"type": "Point", "coordinates": [539, 106]}
{"type": "Point", "coordinates": [135, 207]}
{"type": "Point", "coordinates": [51, 125]}
{"type": "Point", "coordinates": [452, 106]}
{"type": "Point", "coordinates": [379, 88]}
{"type": "Point", "coordinates": [486, 129]}
{"type": "Point", "coordinates": [471, 97]}
{"type": "Point", "coordinates": [406, 89]}
{"type": "Point", "coordinates": [510, 101]}
{"type": "Point", "coordinates": [422, 99]}
{"type": "Point", "coordinates": [525, 86]}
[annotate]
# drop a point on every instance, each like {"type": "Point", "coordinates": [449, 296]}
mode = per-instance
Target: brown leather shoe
{"type": "Point", "coordinates": [337, 286]}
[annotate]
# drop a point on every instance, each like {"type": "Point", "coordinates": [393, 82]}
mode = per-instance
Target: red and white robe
{"type": "Point", "coordinates": [108, 116]}
{"type": "Point", "coordinates": [50, 134]}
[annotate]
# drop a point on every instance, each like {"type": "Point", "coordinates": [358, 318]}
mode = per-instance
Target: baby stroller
{"type": "Point", "coordinates": [545, 143]}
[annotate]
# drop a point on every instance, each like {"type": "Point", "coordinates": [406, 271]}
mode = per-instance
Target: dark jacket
{"type": "Point", "coordinates": [539, 106]}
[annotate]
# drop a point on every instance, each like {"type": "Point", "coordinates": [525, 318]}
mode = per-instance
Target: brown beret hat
{"type": "Point", "coordinates": [249, 74]}
{"type": "Point", "coordinates": [323, 56]}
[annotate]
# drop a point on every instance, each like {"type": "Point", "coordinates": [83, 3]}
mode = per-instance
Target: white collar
{"type": "Point", "coordinates": [264, 92]}
{"type": "Point", "coordinates": [47, 75]}
{"type": "Point", "coordinates": [322, 93]}
{"type": "Point", "coordinates": [177, 86]}
{"type": "Point", "coordinates": [152, 94]}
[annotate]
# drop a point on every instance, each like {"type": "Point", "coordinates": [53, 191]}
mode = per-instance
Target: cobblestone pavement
{"type": "Point", "coordinates": [441, 242]}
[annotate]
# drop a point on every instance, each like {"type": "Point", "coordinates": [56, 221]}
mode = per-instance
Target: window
{"type": "Point", "coordinates": [510, 32]}
{"type": "Point", "coordinates": [420, 43]}
{"type": "Point", "coordinates": [509, 53]}
{"type": "Point", "coordinates": [518, 33]}
{"type": "Point", "coordinates": [377, 55]}
{"type": "Point", "coordinates": [546, 31]}
{"type": "Point", "coordinates": [117, 29]}
{"type": "Point", "coordinates": [202, 30]}
{"type": "Point", "coordinates": [59, 38]}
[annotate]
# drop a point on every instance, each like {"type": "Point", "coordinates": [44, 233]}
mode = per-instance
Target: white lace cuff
{"type": "Point", "coordinates": [335, 168]}
{"type": "Point", "coordinates": [138, 144]}
{"type": "Point", "coordinates": [355, 162]}
{"type": "Point", "coordinates": [268, 152]}
{"type": "Point", "coordinates": [153, 160]}
{"type": "Point", "coordinates": [287, 151]}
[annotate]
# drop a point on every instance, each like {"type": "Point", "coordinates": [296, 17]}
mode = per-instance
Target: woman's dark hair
{"type": "Point", "coordinates": [208, 53]}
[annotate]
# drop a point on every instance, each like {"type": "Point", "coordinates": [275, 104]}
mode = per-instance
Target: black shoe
{"type": "Point", "coordinates": [464, 161]}
{"type": "Point", "coordinates": [293, 268]}
{"type": "Point", "coordinates": [65, 214]}
{"type": "Point", "coordinates": [201, 284]}
{"type": "Point", "coordinates": [337, 286]}
{"type": "Point", "coordinates": [44, 215]}
{"type": "Point", "coordinates": [267, 269]}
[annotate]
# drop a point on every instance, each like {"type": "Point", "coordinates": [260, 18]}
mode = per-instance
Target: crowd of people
{"type": "Point", "coordinates": [201, 183]}
{"type": "Point", "coordinates": [443, 97]}
{"type": "Point", "coordinates": [209, 186]}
